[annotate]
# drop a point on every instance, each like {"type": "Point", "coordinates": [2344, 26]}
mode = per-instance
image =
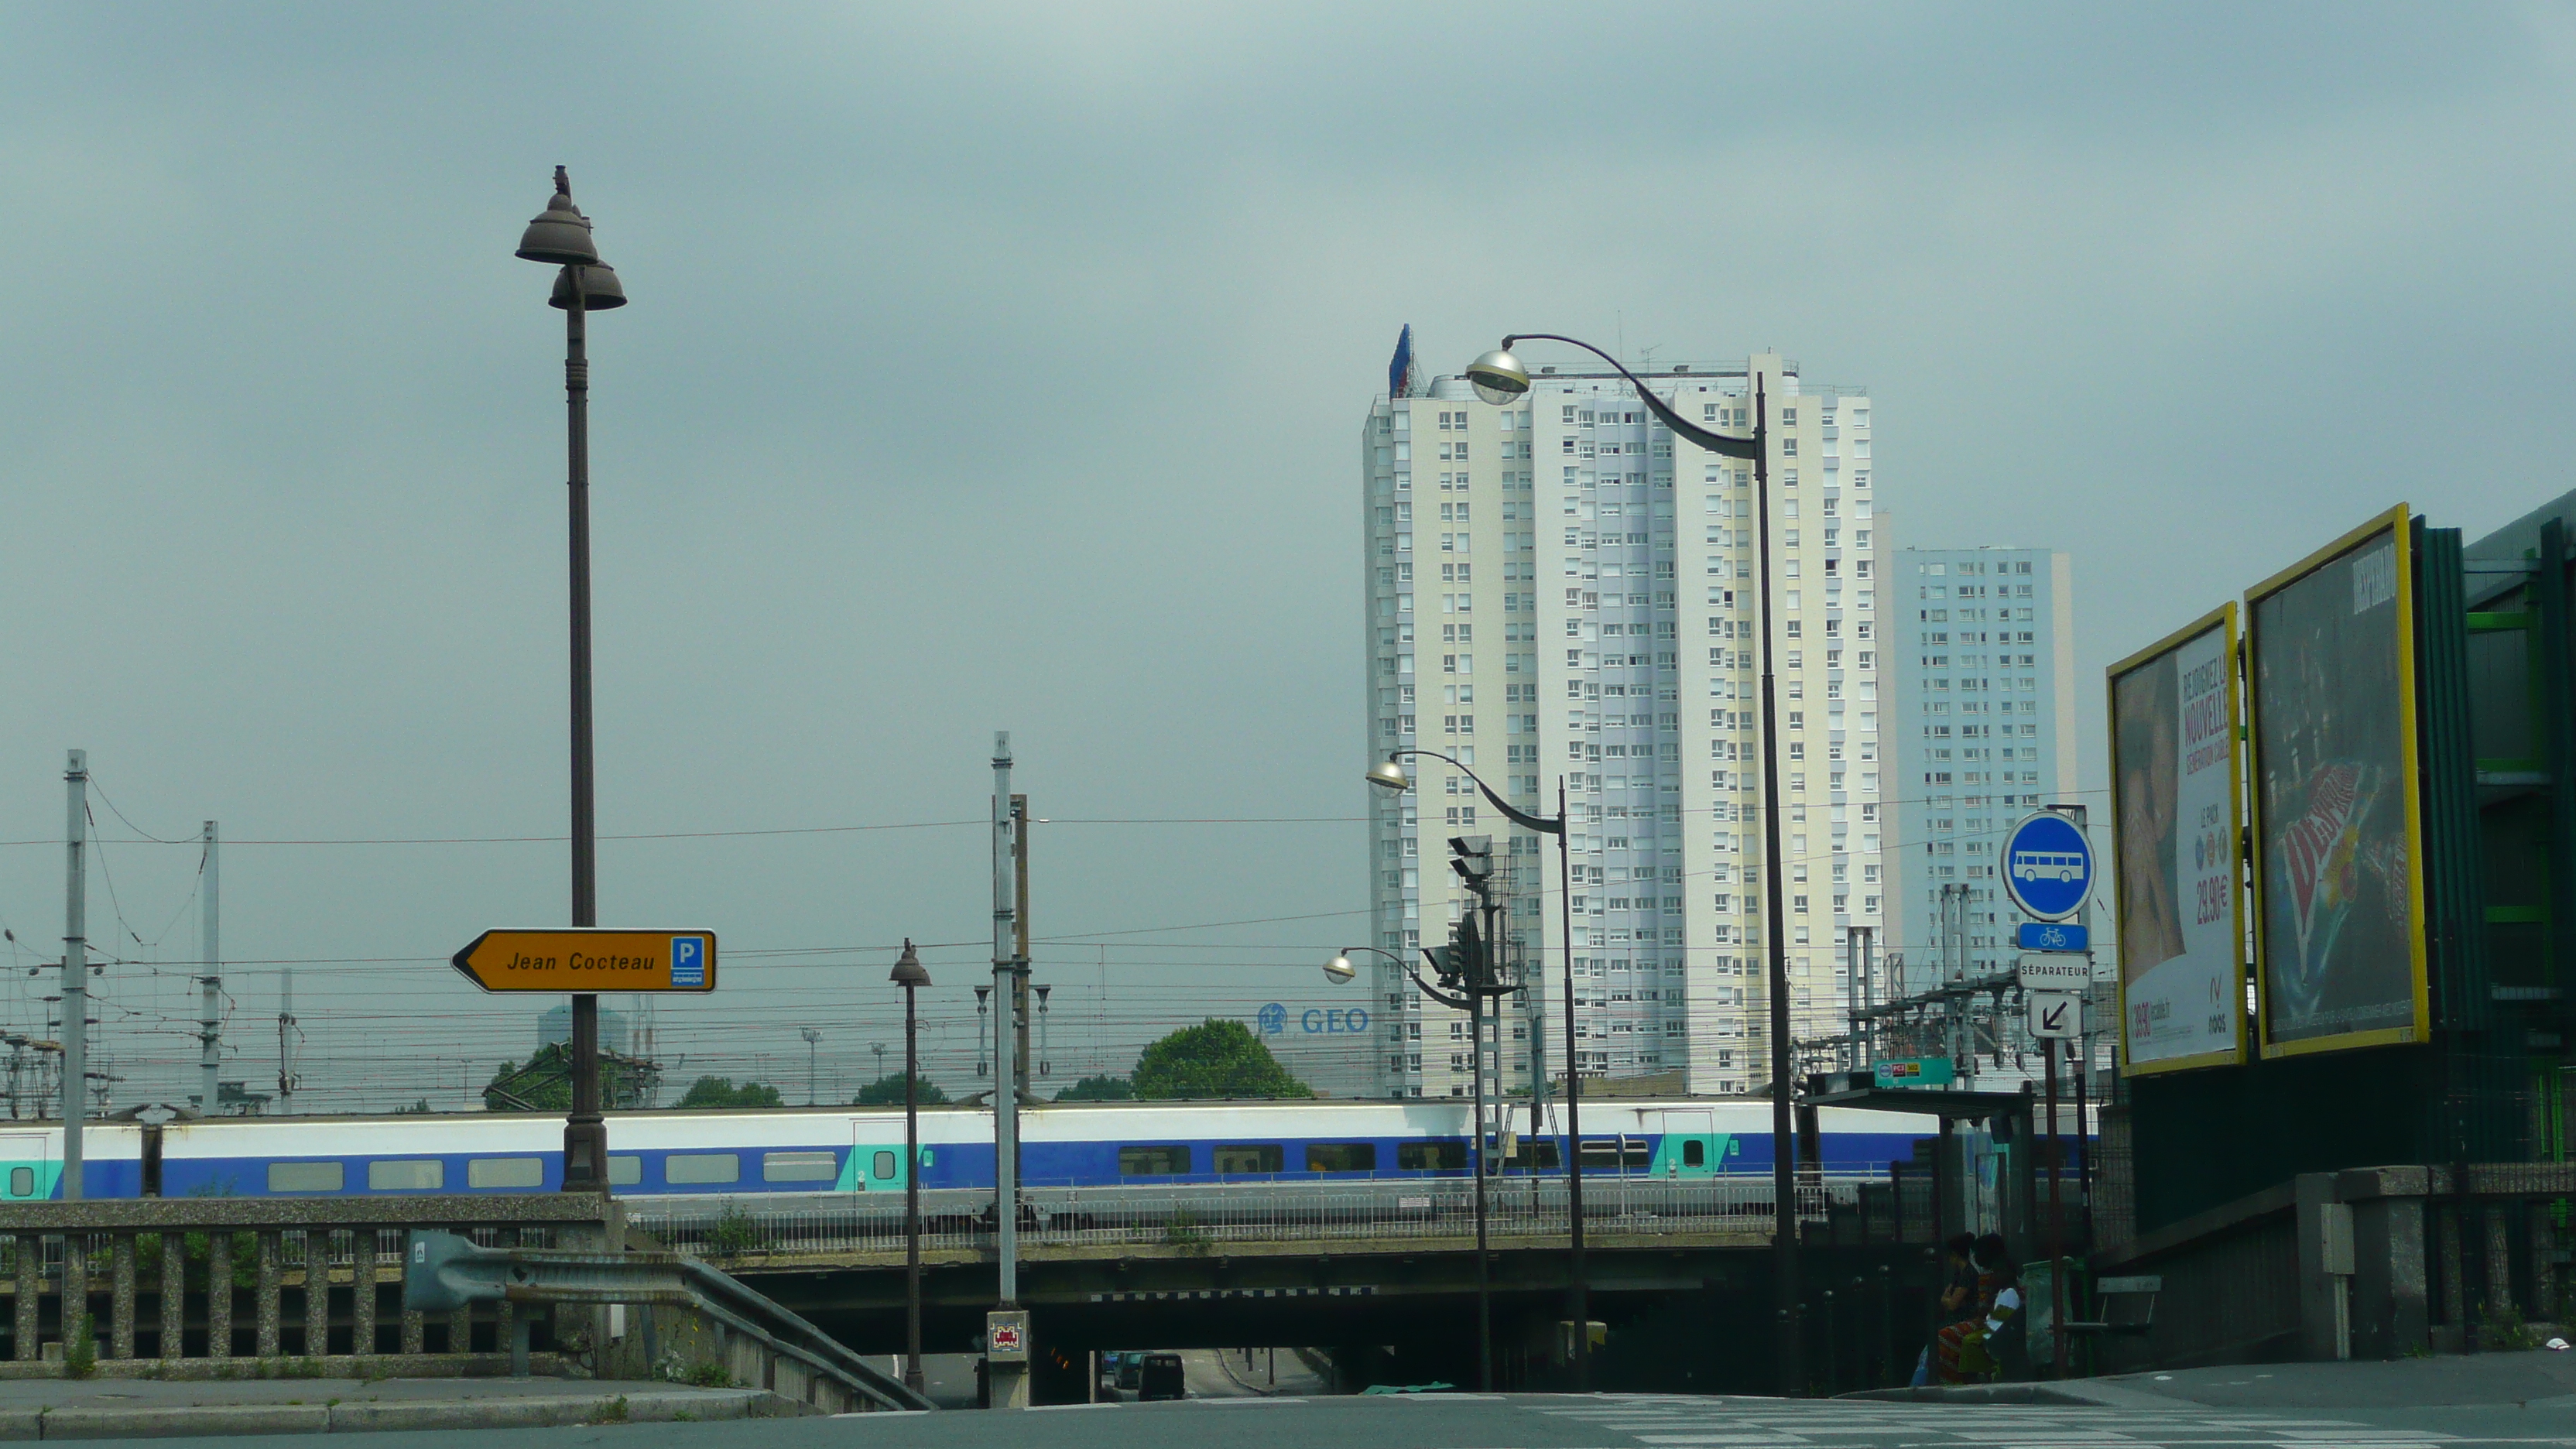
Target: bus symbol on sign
{"type": "Point", "coordinates": [2048, 866]}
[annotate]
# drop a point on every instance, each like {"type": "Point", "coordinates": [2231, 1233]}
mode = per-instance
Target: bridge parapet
{"type": "Point", "coordinates": [182, 1287]}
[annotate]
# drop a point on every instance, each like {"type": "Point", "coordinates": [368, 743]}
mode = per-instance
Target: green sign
{"type": "Point", "coordinates": [1916, 1072]}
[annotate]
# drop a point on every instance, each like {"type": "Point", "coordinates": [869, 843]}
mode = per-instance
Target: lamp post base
{"type": "Point", "coordinates": [585, 1155]}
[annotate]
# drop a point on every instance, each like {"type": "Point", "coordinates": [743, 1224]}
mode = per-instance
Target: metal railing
{"type": "Point", "coordinates": [754, 1339]}
{"type": "Point", "coordinates": [1187, 1221]}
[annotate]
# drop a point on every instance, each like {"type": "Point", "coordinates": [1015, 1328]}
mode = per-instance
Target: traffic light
{"type": "Point", "coordinates": [1462, 961]}
{"type": "Point", "coordinates": [1472, 856]}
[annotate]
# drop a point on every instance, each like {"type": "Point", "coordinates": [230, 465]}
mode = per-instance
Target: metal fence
{"type": "Point", "coordinates": [1201, 1219]}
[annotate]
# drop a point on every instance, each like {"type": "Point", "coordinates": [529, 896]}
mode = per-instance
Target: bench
{"type": "Point", "coordinates": [2127, 1306]}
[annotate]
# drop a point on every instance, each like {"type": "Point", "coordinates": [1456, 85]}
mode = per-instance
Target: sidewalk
{"type": "Point", "coordinates": [2531, 1380]}
{"type": "Point", "coordinates": [157, 1408]}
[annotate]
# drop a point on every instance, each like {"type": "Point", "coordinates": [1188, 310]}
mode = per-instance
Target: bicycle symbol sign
{"type": "Point", "coordinates": [2047, 866]}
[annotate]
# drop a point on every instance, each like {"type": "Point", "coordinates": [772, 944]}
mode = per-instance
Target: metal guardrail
{"type": "Point", "coordinates": [446, 1272]}
{"type": "Point", "coordinates": [1191, 1220]}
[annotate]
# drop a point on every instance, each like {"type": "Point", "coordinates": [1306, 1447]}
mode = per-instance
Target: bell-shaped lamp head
{"type": "Point", "coordinates": [1498, 377]}
{"type": "Point", "coordinates": [908, 970]}
{"type": "Point", "coordinates": [560, 234]}
{"type": "Point", "coordinates": [1388, 775]}
{"type": "Point", "coordinates": [600, 289]}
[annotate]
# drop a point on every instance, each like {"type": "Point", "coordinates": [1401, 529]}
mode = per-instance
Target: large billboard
{"type": "Point", "coordinates": [2176, 801]}
{"type": "Point", "coordinates": [2338, 827]}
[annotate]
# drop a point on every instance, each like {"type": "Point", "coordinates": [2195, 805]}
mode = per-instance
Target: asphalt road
{"type": "Point", "coordinates": [1540, 1421]}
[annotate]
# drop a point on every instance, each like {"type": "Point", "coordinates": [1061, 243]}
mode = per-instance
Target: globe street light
{"type": "Point", "coordinates": [909, 975]}
{"type": "Point", "coordinates": [1499, 377]}
{"type": "Point", "coordinates": [1388, 774]}
{"type": "Point", "coordinates": [560, 237]}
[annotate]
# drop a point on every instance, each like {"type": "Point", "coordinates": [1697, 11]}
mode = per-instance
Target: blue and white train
{"type": "Point", "coordinates": [860, 1150]}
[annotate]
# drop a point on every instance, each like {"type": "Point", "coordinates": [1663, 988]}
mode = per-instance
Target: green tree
{"type": "Point", "coordinates": [1214, 1059]}
{"type": "Point", "coordinates": [543, 1084]}
{"type": "Point", "coordinates": [1102, 1088]}
{"type": "Point", "coordinates": [887, 1091]}
{"type": "Point", "coordinates": [721, 1092]}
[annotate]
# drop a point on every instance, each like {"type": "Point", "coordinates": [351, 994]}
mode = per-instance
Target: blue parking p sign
{"type": "Point", "coordinates": [688, 962]}
{"type": "Point", "coordinates": [2047, 866]}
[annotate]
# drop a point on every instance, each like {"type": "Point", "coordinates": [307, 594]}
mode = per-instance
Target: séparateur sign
{"type": "Point", "coordinates": [1275, 1020]}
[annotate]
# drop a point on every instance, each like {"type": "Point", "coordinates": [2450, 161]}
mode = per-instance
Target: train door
{"type": "Point", "coordinates": [1690, 1147]}
{"type": "Point", "coordinates": [28, 1172]}
{"type": "Point", "coordinates": [874, 1166]}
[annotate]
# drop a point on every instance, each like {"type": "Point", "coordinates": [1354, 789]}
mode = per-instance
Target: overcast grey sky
{"type": "Point", "coordinates": [1001, 367]}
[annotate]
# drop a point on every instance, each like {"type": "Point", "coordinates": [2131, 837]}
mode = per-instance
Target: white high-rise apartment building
{"type": "Point", "coordinates": [1560, 591]}
{"type": "Point", "coordinates": [1983, 731]}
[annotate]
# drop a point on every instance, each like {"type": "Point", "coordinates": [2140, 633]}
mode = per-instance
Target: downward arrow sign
{"type": "Point", "coordinates": [2055, 1020]}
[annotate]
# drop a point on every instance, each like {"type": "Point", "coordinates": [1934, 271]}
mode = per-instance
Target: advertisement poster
{"type": "Point", "coordinates": [2337, 830]}
{"type": "Point", "coordinates": [2176, 803]}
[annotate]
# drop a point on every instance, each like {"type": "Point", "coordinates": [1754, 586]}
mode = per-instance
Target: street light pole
{"type": "Point", "coordinates": [1389, 775]}
{"type": "Point", "coordinates": [813, 1041]}
{"type": "Point", "coordinates": [560, 236]}
{"type": "Point", "coordinates": [1498, 378]}
{"type": "Point", "coordinates": [1467, 982]}
{"type": "Point", "coordinates": [909, 975]}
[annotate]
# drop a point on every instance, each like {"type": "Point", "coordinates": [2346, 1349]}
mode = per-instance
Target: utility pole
{"type": "Point", "coordinates": [1020, 936]}
{"type": "Point", "coordinates": [75, 969]}
{"type": "Point", "coordinates": [1006, 1369]}
{"type": "Point", "coordinates": [285, 1040]}
{"type": "Point", "coordinates": [1533, 1008]}
{"type": "Point", "coordinates": [211, 953]}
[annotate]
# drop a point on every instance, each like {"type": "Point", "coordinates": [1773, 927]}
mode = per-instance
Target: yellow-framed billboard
{"type": "Point", "coordinates": [2337, 810]}
{"type": "Point", "coordinates": [2177, 812]}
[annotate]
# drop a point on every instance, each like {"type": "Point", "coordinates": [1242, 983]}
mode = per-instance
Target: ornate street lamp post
{"type": "Point", "coordinates": [1498, 378]}
{"type": "Point", "coordinates": [560, 237]}
{"type": "Point", "coordinates": [909, 975]}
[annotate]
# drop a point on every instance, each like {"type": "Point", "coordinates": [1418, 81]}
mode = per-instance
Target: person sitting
{"type": "Point", "coordinates": [1956, 1295]}
{"type": "Point", "coordinates": [1964, 1352]}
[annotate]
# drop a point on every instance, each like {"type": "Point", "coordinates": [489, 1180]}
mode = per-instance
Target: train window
{"type": "Point", "coordinates": [625, 1169]}
{"type": "Point", "coordinates": [505, 1172]}
{"type": "Point", "coordinates": [1341, 1157]}
{"type": "Point", "coordinates": [413, 1175]}
{"type": "Point", "coordinates": [306, 1176]}
{"type": "Point", "coordinates": [1615, 1153]}
{"type": "Point", "coordinates": [1431, 1156]}
{"type": "Point", "coordinates": [1694, 1153]}
{"type": "Point", "coordinates": [688, 1167]}
{"type": "Point", "coordinates": [1543, 1150]}
{"type": "Point", "coordinates": [1152, 1161]}
{"type": "Point", "coordinates": [884, 1167]}
{"type": "Point", "coordinates": [22, 1182]}
{"type": "Point", "coordinates": [799, 1167]}
{"type": "Point", "coordinates": [1250, 1157]}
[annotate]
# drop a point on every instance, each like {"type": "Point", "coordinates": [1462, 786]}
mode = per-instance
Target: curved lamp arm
{"type": "Point", "coordinates": [1519, 817]}
{"type": "Point", "coordinates": [1455, 1003]}
{"type": "Point", "coordinates": [1718, 443]}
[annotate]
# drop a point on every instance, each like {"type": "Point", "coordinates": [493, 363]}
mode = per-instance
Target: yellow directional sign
{"type": "Point", "coordinates": [576, 959]}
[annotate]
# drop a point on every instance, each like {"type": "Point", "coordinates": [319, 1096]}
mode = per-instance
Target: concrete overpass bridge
{"type": "Point", "coordinates": [1352, 1267]}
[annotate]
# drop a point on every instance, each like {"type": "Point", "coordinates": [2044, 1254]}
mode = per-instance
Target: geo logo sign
{"type": "Point", "coordinates": [2047, 866]}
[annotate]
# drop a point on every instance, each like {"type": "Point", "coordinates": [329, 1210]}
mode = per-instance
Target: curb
{"type": "Point", "coordinates": [529, 1412]}
{"type": "Point", "coordinates": [2079, 1393]}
